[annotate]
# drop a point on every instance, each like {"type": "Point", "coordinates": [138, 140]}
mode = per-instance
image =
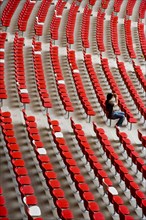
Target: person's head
{"type": "Point", "coordinates": [109, 96]}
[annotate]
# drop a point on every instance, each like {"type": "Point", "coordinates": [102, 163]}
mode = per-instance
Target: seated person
{"type": "Point", "coordinates": [110, 112]}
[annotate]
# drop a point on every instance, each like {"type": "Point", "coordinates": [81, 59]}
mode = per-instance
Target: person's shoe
{"type": "Point", "coordinates": [121, 126]}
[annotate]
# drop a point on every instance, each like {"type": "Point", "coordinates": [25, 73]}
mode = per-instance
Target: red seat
{"type": "Point", "coordinates": [50, 175]}
{"type": "Point", "coordinates": [26, 190]}
{"type": "Point", "coordinates": [54, 183]}
{"type": "Point", "coordinates": [15, 154]}
{"type": "Point", "coordinates": [143, 206]}
{"type": "Point", "coordinates": [87, 197]}
{"type": "Point", "coordinates": [62, 203]}
{"type": "Point", "coordinates": [30, 200]}
{"type": "Point", "coordinates": [3, 211]}
{"type": "Point", "coordinates": [123, 211]}
{"type": "Point", "coordinates": [139, 196]}
{"type": "Point", "coordinates": [43, 158]}
{"type": "Point", "coordinates": [66, 214]}
{"type": "Point", "coordinates": [24, 180]}
{"type": "Point", "coordinates": [83, 187]}
{"type": "Point", "coordinates": [57, 193]}
{"type": "Point", "coordinates": [21, 171]}
{"type": "Point", "coordinates": [117, 201]}
{"type": "Point", "coordinates": [98, 216]}
{"type": "Point", "coordinates": [18, 162]}
{"type": "Point", "coordinates": [47, 166]}
{"type": "Point", "coordinates": [2, 200]}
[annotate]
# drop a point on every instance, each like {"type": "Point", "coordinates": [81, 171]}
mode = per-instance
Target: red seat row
{"type": "Point", "coordinates": [3, 93]}
{"type": "Point", "coordinates": [85, 27]}
{"type": "Point", "coordinates": [142, 9]}
{"type": "Point", "coordinates": [39, 74]}
{"type": "Point", "coordinates": [92, 2]}
{"type": "Point", "coordinates": [115, 89]}
{"type": "Point", "coordinates": [100, 31]}
{"type": "Point", "coordinates": [25, 14]}
{"type": "Point", "coordinates": [129, 42]}
{"type": "Point", "coordinates": [94, 79]}
{"type": "Point", "coordinates": [104, 4]}
{"type": "Point", "coordinates": [77, 178]}
{"type": "Point", "coordinates": [24, 183]}
{"type": "Point", "coordinates": [137, 99]}
{"type": "Point", "coordinates": [117, 5]}
{"type": "Point", "coordinates": [129, 7]}
{"type": "Point", "coordinates": [52, 182]}
{"type": "Point", "coordinates": [41, 16]}
{"type": "Point", "coordinates": [142, 137]}
{"type": "Point", "coordinates": [71, 23]}
{"type": "Point", "coordinates": [56, 19]}
{"type": "Point", "coordinates": [60, 82]}
{"type": "Point", "coordinates": [79, 84]}
{"type": "Point", "coordinates": [114, 34]}
{"type": "Point", "coordinates": [20, 70]}
{"type": "Point", "coordinates": [99, 172]}
{"type": "Point", "coordinates": [142, 38]}
{"type": "Point", "coordinates": [140, 75]}
{"type": "Point", "coordinates": [120, 168]}
{"type": "Point", "coordinates": [8, 12]}
{"type": "Point", "coordinates": [132, 153]}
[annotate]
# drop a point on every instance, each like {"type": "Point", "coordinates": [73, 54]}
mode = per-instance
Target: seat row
{"type": "Point", "coordinates": [128, 83]}
{"type": "Point", "coordinates": [142, 9]}
{"type": "Point", "coordinates": [99, 172]}
{"type": "Point", "coordinates": [141, 32]}
{"type": "Point", "coordinates": [71, 23]}
{"type": "Point", "coordinates": [114, 34]}
{"type": "Point", "coordinates": [87, 198]}
{"type": "Point", "coordinates": [56, 19]}
{"type": "Point", "coordinates": [3, 209]}
{"type": "Point", "coordinates": [104, 4]}
{"type": "Point", "coordinates": [117, 5]}
{"type": "Point", "coordinates": [3, 92]}
{"type": "Point", "coordinates": [100, 30]}
{"type": "Point", "coordinates": [140, 75]}
{"type": "Point", "coordinates": [95, 82]}
{"type": "Point", "coordinates": [142, 137]}
{"type": "Point", "coordinates": [20, 69]}
{"type": "Point", "coordinates": [21, 173]}
{"type": "Point", "coordinates": [58, 195]}
{"type": "Point", "coordinates": [59, 78]}
{"type": "Point", "coordinates": [86, 27]}
{"type": "Point", "coordinates": [129, 42]}
{"type": "Point", "coordinates": [41, 16]}
{"type": "Point", "coordinates": [79, 84]}
{"type": "Point", "coordinates": [92, 2]}
{"type": "Point", "coordinates": [130, 6]}
{"type": "Point", "coordinates": [120, 168]}
{"type": "Point", "coordinates": [115, 89]}
{"type": "Point", "coordinates": [39, 75]}
{"type": "Point", "coordinates": [25, 14]}
{"type": "Point", "coordinates": [132, 153]}
{"type": "Point", "coordinates": [8, 12]}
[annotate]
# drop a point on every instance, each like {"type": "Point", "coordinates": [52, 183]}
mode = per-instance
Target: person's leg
{"type": "Point", "coordinates": [120, 116]}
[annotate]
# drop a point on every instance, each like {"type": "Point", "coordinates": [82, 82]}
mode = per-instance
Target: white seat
{"type": "Point", "coordinates": [113, 190]}
{"type": "Point", "coordinates": [34, 211]}
{"type": "Point", "coordinates": [23, 90]}
{"type": "Point", "coordinates": [76, 71]}
{"type": "Point", "coordinates": [58, 134]}
{"type": "Point", "coordinates": [61, 82]}
{"type": "Point", "coordinates": [37, 52]}
{"type": "Point", "coordinates": [41, 151]}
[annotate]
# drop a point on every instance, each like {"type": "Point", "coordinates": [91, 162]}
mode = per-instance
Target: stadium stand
{"type": "Point", "coordinates": [61, 157]}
